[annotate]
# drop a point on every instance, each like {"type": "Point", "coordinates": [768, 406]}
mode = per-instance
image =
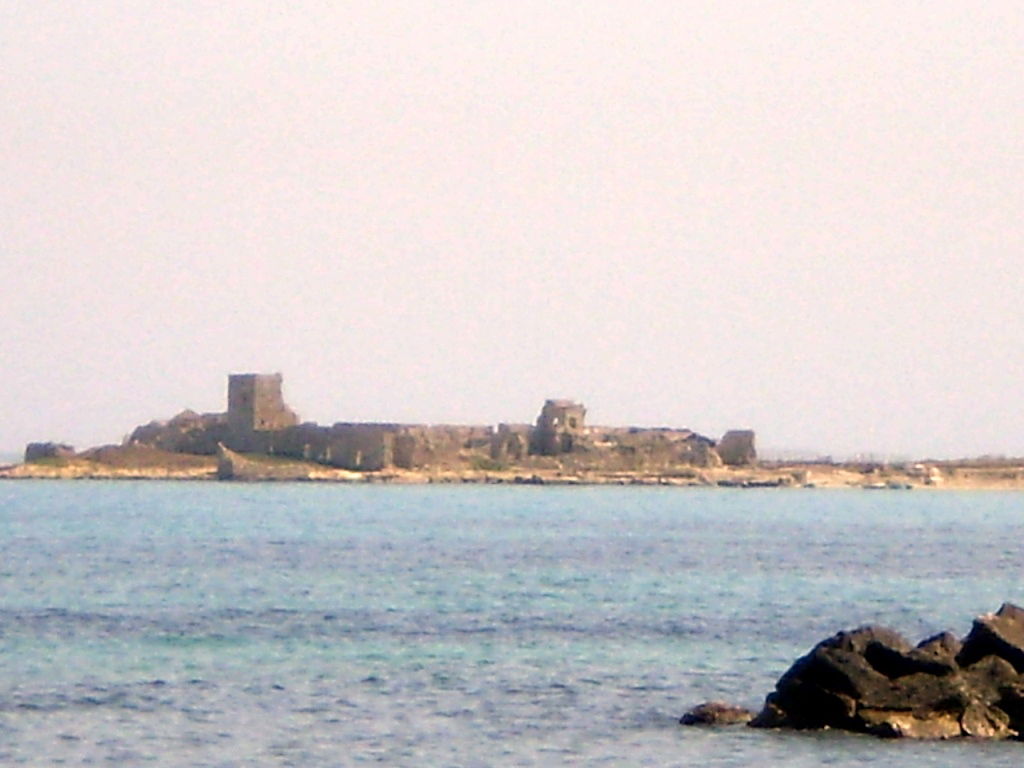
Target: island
{"type": "Point", "coordinates": [258, 437]}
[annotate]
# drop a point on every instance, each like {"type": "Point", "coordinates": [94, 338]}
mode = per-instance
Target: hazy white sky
{"type": "Point", "coordinates": [800, 217]}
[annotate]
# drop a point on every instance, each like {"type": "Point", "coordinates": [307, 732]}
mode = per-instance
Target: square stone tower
{"type": "Point", "coordinates": [737, 448]}
{"type": "Point", "coordinates": [255, 404]}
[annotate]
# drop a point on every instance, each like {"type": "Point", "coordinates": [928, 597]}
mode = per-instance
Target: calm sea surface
{"type": "Point", "coordinates": [203, 624]}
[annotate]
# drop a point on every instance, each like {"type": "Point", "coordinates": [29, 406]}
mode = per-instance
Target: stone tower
{"type": "Point", "coordinates": [737, 448]}
{"type": "Point", "coordinates": [559, 427]}
{"type": "Point", "coordinates": [255, 404]}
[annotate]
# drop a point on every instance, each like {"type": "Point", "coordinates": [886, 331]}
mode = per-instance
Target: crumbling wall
{"type": "Point", "coordinates": [368, 447]}
{"type": "Point", "coordinates": [441, 445]}
{"type": "Point", "coordinates": [356, 447]}
{"type": "Point", "coordinates": [306, 441]}
{"type": "Point", "coordinates": [649, 449]}
{"type": "Point", "coordinates": [699, 451]}
{"type": "Point", "coordinates": [360, 447]}
{"type": "Point", "coordinates": [188, 432]}
{"type": "Point", "coordinates": [511, 442]}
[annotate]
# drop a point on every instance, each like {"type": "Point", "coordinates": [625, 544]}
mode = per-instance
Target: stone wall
{"type": "Point", "coordinates": [649, 449]}
{"type": "Point", "coordinates": [511, 442]}
{"type": "Point", "coordinates": [304, 441]}
{"type": "Point", "coordinates": [360, 447]}
{"type": "Point", "coordinates": [444, 445]}
{"type": "Point", "coordinates": [370, 447]}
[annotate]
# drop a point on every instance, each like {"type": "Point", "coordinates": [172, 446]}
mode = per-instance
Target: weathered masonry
{"type": "Point", "coordinates": [258, 420]}
{"type": "Point", "coordinates": [255, 403]}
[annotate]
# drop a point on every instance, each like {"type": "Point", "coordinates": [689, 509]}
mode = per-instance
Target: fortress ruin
{"type": "Point", "coordinates": [259, 421]}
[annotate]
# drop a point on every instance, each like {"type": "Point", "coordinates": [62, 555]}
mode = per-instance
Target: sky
{"type": "Point", "coordinates": [803, 218]}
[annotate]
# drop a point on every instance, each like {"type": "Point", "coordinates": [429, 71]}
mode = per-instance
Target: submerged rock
{"type": "Point", "coordinates": [716, 713]}
{"type": "Point", "coordinates": [871, 680]}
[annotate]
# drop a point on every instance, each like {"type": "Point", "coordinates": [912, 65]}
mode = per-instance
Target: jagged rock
{"type": "Point", "coordinates": [988, 678]}
{"type": "Point", "coordinates": [931, 657]}
{"type": "Point", "coordinates": [996, 634]}
{"type": "Point", "coordinates": [941, 648]}
{"type": "Point", "coordinates": [1011, 701]}
{"type": "Point", "coordinates": [872, 681]}
{"type": "Point", "coordinates": [893, 724]}
{"type": "Point", "coordinates": [821, 689]}
{"type": "Point", "coordinates": [716, 713]}
{"type": "Point", "coordinates": [983, 722]}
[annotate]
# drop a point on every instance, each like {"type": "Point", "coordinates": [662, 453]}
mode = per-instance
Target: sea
{"type": "Point", "coordinates": [304, 624]}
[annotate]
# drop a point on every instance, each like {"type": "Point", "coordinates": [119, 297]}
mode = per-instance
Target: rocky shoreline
{"type": "Point", "coordinates": [871, 680]}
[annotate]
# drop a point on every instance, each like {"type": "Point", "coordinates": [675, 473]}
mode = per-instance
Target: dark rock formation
{"type": "Point", "coordinates": [871, 680]}
{"type": "Point", "coordinates": [716, 713]}
{"type": "Point", "coordinates": [996, 634]}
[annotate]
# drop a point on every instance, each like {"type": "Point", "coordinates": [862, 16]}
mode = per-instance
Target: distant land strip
{"type": "Point", "coordinates": [259, 438]}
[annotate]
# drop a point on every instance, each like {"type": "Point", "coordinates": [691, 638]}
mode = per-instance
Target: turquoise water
{"type": "Point", "coordinates": [182, 624]}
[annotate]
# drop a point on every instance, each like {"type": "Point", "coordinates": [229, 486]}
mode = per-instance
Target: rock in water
{"type": "Point", "coordinates": [870, 680]}
{"type": "Point", "coordinates": [998, 634]}
{"type": "Point", "coordinates": [716, 713]}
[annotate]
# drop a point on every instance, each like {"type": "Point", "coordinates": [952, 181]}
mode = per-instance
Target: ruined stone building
{"type": "Point", "coordinates": [258, 420]}
{"type": "Point", "coordinates": [255, 403]}
{"type": "Point", "coordinates": [559, 428]}
{"type": "Point", "coordinates": [511, 442]}
{"type": "Point", "coordinates": [736, 448]}
{"type": "Point", "coordinates": [256, 410]}
{"type": "Point", "coordinates": [188, 432]}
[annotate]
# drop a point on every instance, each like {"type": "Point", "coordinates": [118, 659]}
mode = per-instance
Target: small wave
{"type": "Point", "coordinates": [100, 697]}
